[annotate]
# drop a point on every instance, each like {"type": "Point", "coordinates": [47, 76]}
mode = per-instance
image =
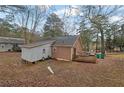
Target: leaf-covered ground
{"type": "Point", "coordinates": [108, 72]}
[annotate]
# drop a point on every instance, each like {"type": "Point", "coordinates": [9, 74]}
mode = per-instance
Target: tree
{"type": "Point", "coordinates": [99, 18]}
{"type": "Point", "coordinates": [85, 34]}
{"type": "Point", "coordinates": [10, 30]}
{"type": "Point", "coordinates": [111, 36]}
{"type": "Point", "coordinates": [10, 11]}
{"type": "Point", "coordinates": [119, 38]}
{"type": "Point", "coordinates": [5, 28]}
{"type": "Point", "coordinates": [86, 39]}
{"type": "Point", "coordinates": [53, 26]}
{"type": "Point", "coordinates": [109, 44]}
{"type": "Point", "coordinates": [28, 17]}
{"type": "Point", "coordinates": [31, 17]}
{"type": "Point", "coordinates": [38, 14]}
{"type": "Point", "coordinates": [22, 16]}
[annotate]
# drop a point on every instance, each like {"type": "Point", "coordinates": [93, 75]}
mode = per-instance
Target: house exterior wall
{"type": "Point", "coordinates": [66, 53]}
{"type": "Point", "coordinates": [36, 53]}
{"type": "Point", "coordinates": [5, 47]}
{"type": "Point", "coordinates": [61, 53]}
{"type": "Point", "coordinates": [78, 46]}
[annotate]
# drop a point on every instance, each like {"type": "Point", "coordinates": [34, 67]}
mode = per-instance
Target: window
{"type": "Point", "coordinates": [44, 51]}
{"type": "Point", "coordinates": [2, 45]}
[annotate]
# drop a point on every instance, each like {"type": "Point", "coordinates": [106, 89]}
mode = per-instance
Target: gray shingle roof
{"type": "Point", "coordinates": [57, 41]}
{"type": "Point", "coordinates": [11, 40]}
{"type": "Point", "coordinates": [65, 40]}
{"type": "Point", "coordinates": [38, 44]}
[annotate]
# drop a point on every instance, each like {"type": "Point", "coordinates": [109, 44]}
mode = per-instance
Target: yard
{"type": "Point", "coordinates": [107, 73]}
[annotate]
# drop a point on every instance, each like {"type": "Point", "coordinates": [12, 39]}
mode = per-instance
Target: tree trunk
{"type": "Point", "coordinates": [120, 48]}
{"type": "Point", "coordinates": [102, 42]}
{"type": "Point", "coordinates": [25, 30]}
{"type": "Point", "coordinates": [97, 42]}
{"type": "Point", "coordinates": [88, 47]}
{"type": "Point", "coordinates": [32, 33]}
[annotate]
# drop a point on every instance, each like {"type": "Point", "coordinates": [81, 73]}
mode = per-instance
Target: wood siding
{"type": "Point", "coordinates": [61, 53]}
{"type": "Point", "coordinates": [77, 46]}
{"type": "Point", "coordinates": [67, 53]}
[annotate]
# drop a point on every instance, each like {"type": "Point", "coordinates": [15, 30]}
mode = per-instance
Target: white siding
{"type": "Point", "coordinates": [36, 53]}
{"type": "Point", "coordinates": [5, 47]}
{"type": "Point", "coordinates": [26, 54]}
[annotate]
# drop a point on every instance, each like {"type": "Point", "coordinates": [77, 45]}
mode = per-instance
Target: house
{"type": "Point", "coordinates": [66, 48]}
{"type": "Point", "coordinates": [61, 48]}
{"type": "Point", "coordinates": [36, 51]}
{"type": "Point", "coordinates": [9, 44]}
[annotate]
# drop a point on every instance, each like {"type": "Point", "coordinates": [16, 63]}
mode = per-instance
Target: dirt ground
{"type": "Point", "coordinates": [108, 73]}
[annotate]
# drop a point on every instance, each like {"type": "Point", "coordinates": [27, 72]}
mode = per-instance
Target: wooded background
{"type": "Point", "coordinates": [92, 23]}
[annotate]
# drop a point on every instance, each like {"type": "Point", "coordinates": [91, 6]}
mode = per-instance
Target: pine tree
{"type": "Point", "coordinates": [53, 26]}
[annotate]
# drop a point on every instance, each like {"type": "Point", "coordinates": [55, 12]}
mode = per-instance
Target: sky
{"type": "Point", "coordinates": [72, 20]}
{"type": "Point", "coordinates": [61, 9]}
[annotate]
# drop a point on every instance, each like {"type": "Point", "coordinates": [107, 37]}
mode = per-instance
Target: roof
{"type": "Point", "coordinates": [65, 40]}
{"type": "Point", "coordinates": [32, 45]}
{"type": "Point", "coordinates": [57, 41]}
{"type": "Point", "coordinates": [11, 40]}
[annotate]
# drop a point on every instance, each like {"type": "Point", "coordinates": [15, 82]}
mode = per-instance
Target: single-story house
{"type": "Point", "coordinates": [61, 48]}
{"type": "Point", "coordinates": [66, 48]}
{"type": "Point", "coordinates": [9, 43]}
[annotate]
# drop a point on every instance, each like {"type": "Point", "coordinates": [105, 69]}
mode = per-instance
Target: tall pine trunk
{"type": "Point", "coordinates": [97, 42]}
{"type": "Point", "coordinates": [102, 42]}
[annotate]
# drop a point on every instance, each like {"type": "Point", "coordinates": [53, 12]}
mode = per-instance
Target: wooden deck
{"type": "Point", "coordinates": [87, 59]}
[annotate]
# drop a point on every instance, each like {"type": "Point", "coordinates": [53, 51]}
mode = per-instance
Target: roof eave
{"type": "Point", "coordinates": [29, 46]}
{"type": "Point", "coordinates": [62, 45]}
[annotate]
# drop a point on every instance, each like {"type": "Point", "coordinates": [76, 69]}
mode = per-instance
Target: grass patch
{"type": "Point", "coordinates": [117, 55]}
